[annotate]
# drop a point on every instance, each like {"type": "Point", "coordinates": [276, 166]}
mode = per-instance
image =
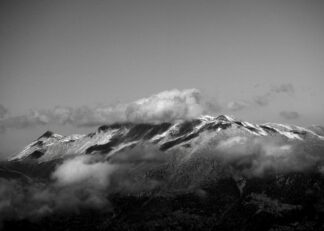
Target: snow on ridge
{"type": "Point", "coordinates": [78, 143]}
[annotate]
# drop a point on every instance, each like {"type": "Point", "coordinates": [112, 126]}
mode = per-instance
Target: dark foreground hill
{"type": "Point", "coordinates": [292, 201]}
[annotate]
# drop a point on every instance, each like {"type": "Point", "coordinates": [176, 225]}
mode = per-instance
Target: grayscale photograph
{"type": "Point", "coordinates": [153, 115]}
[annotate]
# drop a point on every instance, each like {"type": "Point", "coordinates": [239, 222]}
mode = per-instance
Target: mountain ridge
{"type": "Point", "coordinates": [112, 138]}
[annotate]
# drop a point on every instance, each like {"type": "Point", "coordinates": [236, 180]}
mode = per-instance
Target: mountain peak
{"type": "Point", "coordinates": [225, 118]}
{"type": "Point", "coordinates": [47, 134]}
{"type": "Point", "coordinates": [219, 118]}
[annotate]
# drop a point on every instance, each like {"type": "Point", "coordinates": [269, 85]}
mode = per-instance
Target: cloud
{"type": "Point", "coordinates": [87, 181]}
{"type": "Point", "coordinates": [36, 200]}
{"type": "Point", "coordinates": [258, 156]}
{"type": "Point", "coordinates": [83, 169]}
{"type": "Point", "coordinates": [289, 115]}
{"type": "Point", "coordinates": [166, 106]}
{"type": "Point", "coordinates": [3, 111]}
{"type": "Point", "coordinates": [262, 100]}
{"type": "Point", "coordinates": [162, 107]}
{"type": "Point", "coordinates": [76, 184]}
{"type": "Point", "coordinates": [33, 118]}
{"type": "Point", "coordinates": [237, 105]}
{"type": "Point", "coordinates": [283, 88]}
{"type": "Point", "coordinates": [265, 99]}
{"type": "Point", "coordinates": [80, 182]}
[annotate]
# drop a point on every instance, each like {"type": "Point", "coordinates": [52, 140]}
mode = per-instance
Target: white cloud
{"type": "Point", "coordinates": [81, 170]}
{"type": "Point", "coordinates": [165, 106]}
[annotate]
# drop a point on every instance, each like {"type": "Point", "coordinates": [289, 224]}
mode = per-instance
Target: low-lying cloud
{"type": "Point", "coordinates": [258, 156]}
{"type": "Point", "coordinates": [78, 183]}
{"type": "Point", "coordinates": [82, 170]}
{"type": "Point", "coordinates": [87, 181]}
{"type": "Point", "coordinates": [163, 107]}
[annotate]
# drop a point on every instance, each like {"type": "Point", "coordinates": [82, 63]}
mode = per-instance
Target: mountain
{"type": "Point", "coordinates": [317, 129]}
{"type": "Point", "coordinates": [208, 173]}
{"type": "Point", "coordinates": [188, 135]}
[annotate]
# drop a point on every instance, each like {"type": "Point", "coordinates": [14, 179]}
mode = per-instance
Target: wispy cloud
{"type": "Point", "coordinates": [3, 111]}
{"type": "Point", "coordinates": [289, 115]}
{"type": "Point", "coordinates": [283, 88]}
{"type": "Point", "coordinates": [237, 105]}
{"type": "Point", "coordinates": [265, 99]}
{"type": "Point", "coordinates": [262, 100]}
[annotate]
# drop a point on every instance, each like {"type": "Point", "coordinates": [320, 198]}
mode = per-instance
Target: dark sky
{"type": "Point", "coordinates": [261, 60]}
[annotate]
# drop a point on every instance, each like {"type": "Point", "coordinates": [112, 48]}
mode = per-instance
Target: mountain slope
{"type": "Point", "coordinates": [188, 135]}
{"type": "Point", "coordinates": [209, 173]}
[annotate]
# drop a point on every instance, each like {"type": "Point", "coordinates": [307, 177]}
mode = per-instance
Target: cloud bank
{"type": "Point", "coordinates": [166, 106]}
{"type": "Point", "coordinates": [259, 156]}
{"type": "Point", "coordinates": [163, 107]}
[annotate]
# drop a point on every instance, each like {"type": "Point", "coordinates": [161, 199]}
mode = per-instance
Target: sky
{"type": "Point", "coordinates": [68, 66]}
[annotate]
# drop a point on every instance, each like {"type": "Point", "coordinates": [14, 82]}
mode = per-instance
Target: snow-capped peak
{"type": "Point", "coordinates": [109, 139]}
{"type": "Point", "coordinates": [50, 134]}
{"type": "Point", "coordinates": [209, 118]}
